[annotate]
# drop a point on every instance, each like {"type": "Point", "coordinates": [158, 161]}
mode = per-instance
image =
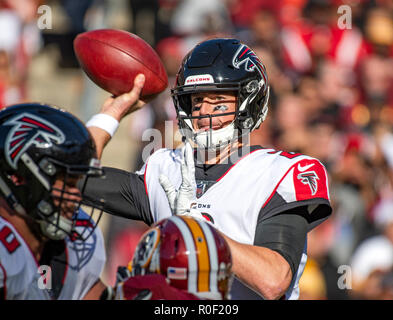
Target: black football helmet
{"type": "Point", "coordinates": [41, 145]}
{"type": "Point", "coordinates": [222, 65]}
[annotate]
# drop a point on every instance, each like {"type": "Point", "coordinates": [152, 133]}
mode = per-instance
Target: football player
{"type": "Point", "coordinates": [264, 201]}
{"type": "Point", "coordinates": [179, 258]}
{"type": "Point", "coordinates": [49, 247]}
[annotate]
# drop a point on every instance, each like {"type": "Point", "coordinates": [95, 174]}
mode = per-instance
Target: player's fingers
{"type": "Point", "coordinates": [188, 168]}
{"type": "Point", "coordinates": [126, 103]}
{"type": "Point", "coordinates": [135, 93]}
{"type": "Point", "coordinates": [169, 189]}
{"type": "Point", "coordinates": [183, 165]}
{"type": "Point", "coordinates": [189, 159]}
{"type": "Point", "coordinates": [185, 174]}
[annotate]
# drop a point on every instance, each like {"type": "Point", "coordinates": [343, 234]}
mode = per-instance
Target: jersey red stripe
{"type": "Point", "coordinates": [235, 164]}
{"type": "Point", "coordinates": [144, 178]}
{"type": "Point", "coordinates": [274, 190]}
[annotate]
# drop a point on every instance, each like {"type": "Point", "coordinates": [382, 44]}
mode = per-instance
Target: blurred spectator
{"type": "Point", "coordinates": [122, 246]}
{"type": "Point", "coordinates": [355, 190]}
{"type": "Point", "coordinates": [242, 11]}
{"type": "Point", "coordinates": [263, 31]}
{"type": "Point", "coordinates": [152, 19]}
{"type": "Point", "coordinates": [200, 17]}
{"type": "Point", "coordinates": [312, 284]}
{"type": "Point", "coordinates": [320, 277]}
{"type": "Point", "coordinates": [372, 262]}
{"type": "Point", "coordinates": [280, 83]}
{"type": "Point", "coordinates": [376, 80]}
{"type": "Point", "coordinates": [323, 140]}
{"type": "Point", "coordinates": [384, 139]}
{"type": "Point", "coordinates": [317, 37]}
{"type": "Point", "coordinates": [379, 30]}
{"type": "Point", "coordinates": [74, 13]}
{"type": "Point", "coordinates": [19, 41]}
{"type": "Point", "coordinates": [291, 120]}
{"type": "Point", "coordinates": [10, 92]}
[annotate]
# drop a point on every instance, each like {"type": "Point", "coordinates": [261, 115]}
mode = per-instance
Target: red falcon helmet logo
{"type": "Point", "coordinates": [244, 55]}
{"type": "Point", "coordinates": [309, 178]}
{"type": "Point", "coordinates": [29, 129]}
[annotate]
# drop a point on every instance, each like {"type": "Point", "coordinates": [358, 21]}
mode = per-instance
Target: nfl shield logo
{"type": "Point", "coordinates": [201, 186]}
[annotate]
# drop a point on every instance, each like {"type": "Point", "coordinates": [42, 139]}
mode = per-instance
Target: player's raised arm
{"type": "Point", "coordinates": [113, 60]}
{"type": "Point", "coordinates": [103, 125]}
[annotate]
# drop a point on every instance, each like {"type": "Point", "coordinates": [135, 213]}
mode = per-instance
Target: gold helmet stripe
{"type": "Point", "coordinates": [203, 260]}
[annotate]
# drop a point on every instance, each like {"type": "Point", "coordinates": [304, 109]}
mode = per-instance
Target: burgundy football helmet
{"type": "Point", "coordinates": [191, 254]}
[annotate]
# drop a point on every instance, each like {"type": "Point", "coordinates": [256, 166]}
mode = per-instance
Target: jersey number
{"type": "Point", "coordinates": [8, 239]}
{"type": "Point", "coordinates": [289, 155]}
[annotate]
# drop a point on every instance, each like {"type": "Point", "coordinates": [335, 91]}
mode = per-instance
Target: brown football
{"type": "Point", "coordinates": [112, 58]}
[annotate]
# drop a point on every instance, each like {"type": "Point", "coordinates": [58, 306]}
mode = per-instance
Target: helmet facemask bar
{"type": "Point", "coordinates": [57, 210]}
{"type": "Point", "coordinates": [81, 227]}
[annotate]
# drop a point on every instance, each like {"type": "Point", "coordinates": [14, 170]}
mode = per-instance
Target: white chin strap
{"type": "Point", "coordinates": [212, 139]}
{"type": "Point", "coordinates": [54, 230]}
{"type": "Point", "coordinates": [217, 139]}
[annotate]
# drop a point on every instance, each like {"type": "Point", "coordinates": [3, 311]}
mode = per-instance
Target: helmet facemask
{"type": "Point", "coordinates": [222, 65]}
{"type": "Point", "coordinates": [43, 195]}
{"type": "Point", "coordinates": [249, 96]}
{"type": "Point", "coordinates": [60, 216]}
{"type": "Point", "coordinates": [44, 150]}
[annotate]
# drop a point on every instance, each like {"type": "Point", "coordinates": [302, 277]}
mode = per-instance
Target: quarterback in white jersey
{"type": "Point", "coordinates": [49, 247]}
{"type": "Point", "coordinates": [287, 181]}
{"type": "Point", "coordinates": [263, 201]}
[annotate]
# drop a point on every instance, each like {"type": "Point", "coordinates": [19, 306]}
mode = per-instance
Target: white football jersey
{"type": "Point", "coordinates": [261, 184]}
{"type": "Point", "coordinates": [78, 267]}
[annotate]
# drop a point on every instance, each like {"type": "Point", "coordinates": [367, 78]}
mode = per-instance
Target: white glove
{"type": "Point", "coordinates": [181, 200]}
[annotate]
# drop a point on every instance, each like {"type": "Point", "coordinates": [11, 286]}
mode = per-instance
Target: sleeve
{"type": "Point", "coordinates": [286, 234]}
{"type": "Point", "coordinates": [124, 194]}
{"type": "Point", "coordinates": [305, 184]}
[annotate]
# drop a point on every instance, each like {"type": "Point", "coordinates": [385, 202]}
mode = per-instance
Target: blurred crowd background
{"type": "Point", "coordinates": [331, 98]}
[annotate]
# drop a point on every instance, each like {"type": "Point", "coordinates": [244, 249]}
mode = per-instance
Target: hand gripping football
{"type": "Point", "coordinates": [112, 59]}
